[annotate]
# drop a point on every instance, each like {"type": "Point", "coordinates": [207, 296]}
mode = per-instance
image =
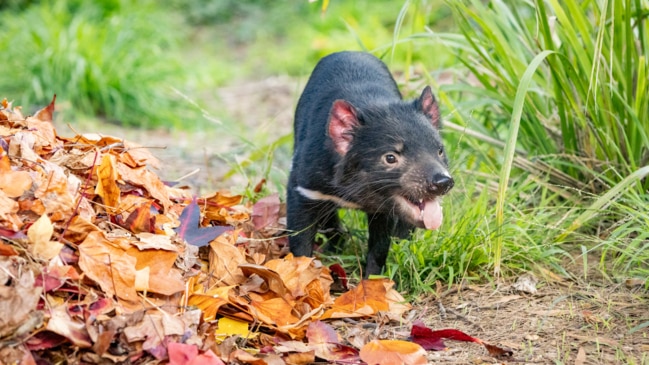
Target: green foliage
{"type": "Point", "coordinates": [269, 37]}
{"type": "Point", "coordinates": [583, 117]}
{"type": "Point", "coordinates": [108, 58]}
{"type": "Point", "coordinates": [587, 110]}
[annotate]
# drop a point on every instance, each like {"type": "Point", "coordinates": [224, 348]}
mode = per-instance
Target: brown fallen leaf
{"type": "Point", "coordinates": [109, 266]}
{"type": "Point", "coordinates": [18, 298]}
{"type": "Point", "coordinates": [61, 323]}
{"type": "Point", "coordinates": [142, 177]}
{"type": "Point", "coordinates": [9, 213]}
{"type": "Point", "coordinates": [326, 343]}
{"type": "Point", "coordinates": [368, 298]}
{"type": "Point", "coordinates": [13, 183]}
{"type": "Point", "coordinates": [208, 300]}
{"type": "Point", "coordinates": [219, 208]}
{"type": "Point", "coordinates": [225, 258]}
{"type": "Point", "coordinates": [163, 277]}
{"type": "Point", "coordinates": [39, 234]}
{"type": "Point", "coordinates": [107, 187]}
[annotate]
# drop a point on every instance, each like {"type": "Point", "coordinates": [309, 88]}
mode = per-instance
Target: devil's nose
{"type": "Point", "coordinates": [441, 183]}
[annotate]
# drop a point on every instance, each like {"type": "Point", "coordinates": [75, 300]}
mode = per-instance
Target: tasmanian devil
{"type": "Point", "coordinates": [358, 145]}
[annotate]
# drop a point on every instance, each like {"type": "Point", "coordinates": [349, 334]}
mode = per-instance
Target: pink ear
{"type": "Point", "coordinates": [342, 121]}
{"type": "Point", "coordinates": [429, 107]}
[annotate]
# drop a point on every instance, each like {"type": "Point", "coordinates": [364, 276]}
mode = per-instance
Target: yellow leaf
{"type": "Point", "coordinates": [230, 327]}
{"type": "Point", "coordinates": [209, 301]}
{"type": "Point", "coordinates": [39, 235]}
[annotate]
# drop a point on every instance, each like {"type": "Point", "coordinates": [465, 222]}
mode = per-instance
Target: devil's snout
{"type": "Point", "coordinates": [440, 183]}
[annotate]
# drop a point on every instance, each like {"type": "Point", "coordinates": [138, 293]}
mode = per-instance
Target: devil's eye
{"type": "Point", "coordinates": [390, 158]}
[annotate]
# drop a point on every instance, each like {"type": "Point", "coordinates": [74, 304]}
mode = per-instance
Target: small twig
{"type": "Point", "coordinates": [465, 318]}
{"type": "Point", "coordinates": [187, 175]}
{"type": "Point", "coordinates": [442, 310]}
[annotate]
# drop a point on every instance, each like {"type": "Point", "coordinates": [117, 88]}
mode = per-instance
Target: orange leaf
{"type": "Point", "coordinates": [272, 278]}
{"type": "Point", "coordinates": [56, 195]}
{"type": "Point", "coordinates": [39, 235]}
{"type": "Point", "coordinates": [137, 156]}
{"type": "Point", "coordinates": [5, 163]}
{"type": "Point", "coordinates": [276, 311]}
{"type": "Point", "coordinates": [393, 352]}
{"type": "Point", "coordinates": [217, 207]}
{"type": "Point", "coordinates": [225, 259]}
{"type": "Point", "coordinates": [140, 176]}
{"type": "Point", "coordinates": [163, 277]}
{"type": "Point", "coordinates": [13, 183]}
{"type": "Point", "coordinates": [111, 267]}
{"type": "Point", "coordinates": [296, 272]}
{"type": "Point", "coordinates": [368, 298]}
{"type": "Point", "coordinates": [209, 301]}
{"type": "Point", "coordinates": [107, 187]}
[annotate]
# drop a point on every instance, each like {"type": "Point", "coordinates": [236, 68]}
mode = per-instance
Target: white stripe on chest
{"type": "Point", "coordinates": [316, 195]}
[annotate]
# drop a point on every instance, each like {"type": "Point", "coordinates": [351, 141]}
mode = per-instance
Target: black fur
{"type": "Point", "coordinates": [356, 140]}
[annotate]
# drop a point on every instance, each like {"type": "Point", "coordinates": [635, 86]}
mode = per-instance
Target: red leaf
{"type": "Point", "coordinates": [339, 275]}
{"type": "Point", "coordinates": [432, 340]}
{"type": "Point", "coordinates": [6, 233]}
{"type": "Point", "coordinates": [140, 220]}
{"type": "Point", "coordinates": [44, 340]}
{"type": "Point", "coordinates": [190, 229]}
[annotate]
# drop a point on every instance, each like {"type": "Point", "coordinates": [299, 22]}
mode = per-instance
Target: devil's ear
{"type": "Point", "coordinates": [428, 105]}
{"type": "Point", "coordinates": [343, 118]}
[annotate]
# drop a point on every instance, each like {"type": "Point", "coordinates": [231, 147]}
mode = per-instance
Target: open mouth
{"type": "Point", "coordinates": [428, 212]}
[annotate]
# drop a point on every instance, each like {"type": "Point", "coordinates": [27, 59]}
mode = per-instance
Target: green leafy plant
{"type": "Point", "coordinates": [573, 76]}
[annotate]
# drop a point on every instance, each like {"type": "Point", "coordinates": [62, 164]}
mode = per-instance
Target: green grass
{"type": "Point", "coordinates": [112, 59]}
{"type": "Point", "coordinates": [576, 88]}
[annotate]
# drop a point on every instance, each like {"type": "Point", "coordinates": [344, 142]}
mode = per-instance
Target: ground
{"type": "Point", "coordinates": [576, 320]}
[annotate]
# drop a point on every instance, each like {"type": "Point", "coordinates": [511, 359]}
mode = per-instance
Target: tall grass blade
{"type": "Point", "coordinates": [510, 149]}
{"type": "Point", "coordinates": [595, 208]}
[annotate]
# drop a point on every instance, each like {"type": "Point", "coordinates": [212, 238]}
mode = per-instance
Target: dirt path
{"type": "Point", "coordinates": [564, 322]}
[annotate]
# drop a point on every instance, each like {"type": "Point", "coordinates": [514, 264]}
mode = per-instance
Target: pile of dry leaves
{"type": "Point", "coordinates": [102, 262]}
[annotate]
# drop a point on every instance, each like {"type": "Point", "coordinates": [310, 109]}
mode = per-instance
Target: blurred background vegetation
{"type": "Point", "coordinates": [546, 103]}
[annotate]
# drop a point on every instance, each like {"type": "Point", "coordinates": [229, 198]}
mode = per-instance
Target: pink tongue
{"type": "Point", "coordinates": [432, 214]}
